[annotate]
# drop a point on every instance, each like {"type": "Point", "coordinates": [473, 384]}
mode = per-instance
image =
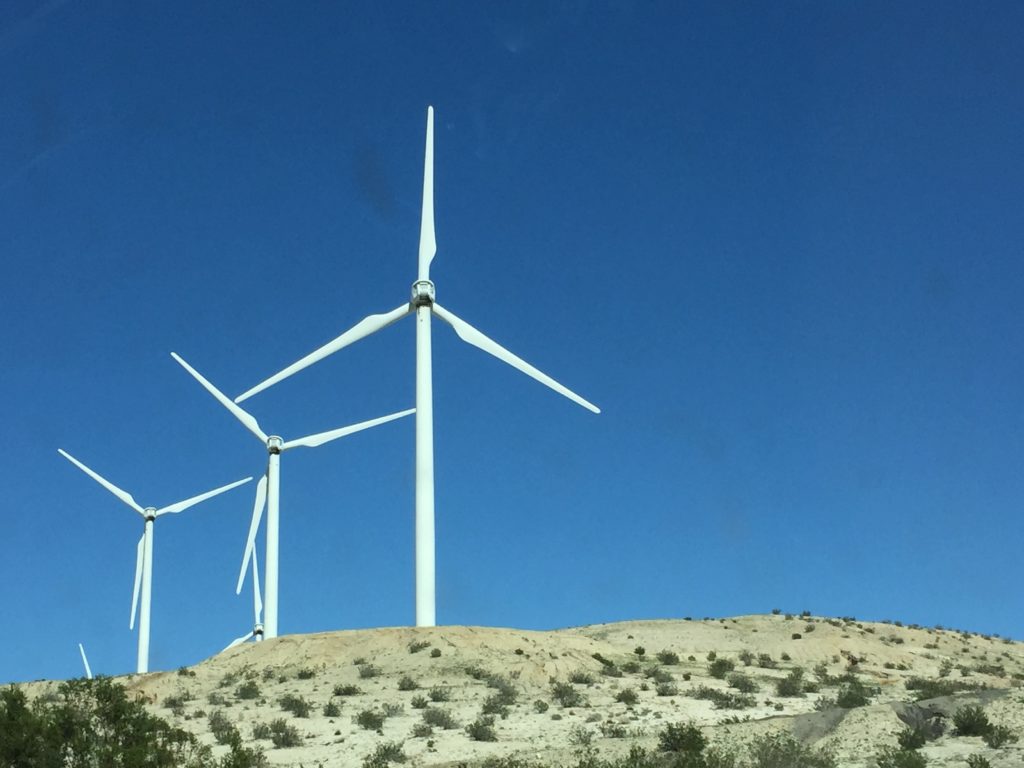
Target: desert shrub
{"type": "Point", "coordinates": [407, 684]}
{"type": "Point", "coordinates": [911, 738]}
{"type": "Point", "coordinates": [540, 706]}
{"type": "Point", "coordinates": [929, 689]}
{"type": "Point", "coordinates": [682, 737]}
{"type": "Point", "coordinates": [248, 690]}
{"type": "Point", "coordinates": [418, 645]}
{"type": "Point", "coordinates": [854, 694]}
{"type": "Point", "coordinates": [438, 694]}
{"type": "Point", "coordinates": [891, 757]}
{"type": "Point", "coordinates": [612, 730]}
{"type": "Point", "coordinates": [627, 696]}
{"type": "Point", "coordinates": [971, 720]}
{"type": "Point", "coordinates": [611, 671]}
{"type": "Point", "coordinates": [384, 754]}
{"type": "Point", "coordinates": [723, 699]}
{"type": "Point", "coordinates": [566, 695]}
{"type": "Point", "coordinates": [176, 702]}
{"type": "Point", "coordinates": [781, 750]}
{"type": "Point", "coordinates": [223, 730]}
{"type": "Point", "coordinates": [792, 684]}
{"type": "Point", "coordinates": [580, 736]}
{"type": "Point", "coordinates": [439, 718]}
{"type": "Point", "coordinates": [347, 690]}
{"type": "Point", "coordinates": [495, 705]}
{"type": "Point", "coordinates": [978, 761]}
{"type": "Point", "coordinates": [765, 661]}
{"type": "Point", "coordinates": [747, 658]}
{"type": "Point", "coordinates": [504, 688]}
{"type": "Point", "coordinates": [660, 675]}
{"type": "Point", "coordinates": [631, 667]}
{"type": "Point", "coordinates": [306, 674]}
{"type": "Point", "coordinates": [581, 677]}
{"type": "Point", "coordinates": [370, 719]}
{"type": "Point", "coordinates": [668, 658]}
{"type": "Point", "coordinates": [435, 653]}
{"type": "Point", "coordinates": [721, 667]}
{"type": "Point", "coordinates": [998, 736]}
{"type": "Point", "coordinates": [216, 698]}
{"type": "Point", "coordinates": [419, 702]}
{"type": "Point", "coordinates": [742, 683]}
{"type": "Point", "coordinates": [367, 671]}
{"type": "Point", "coordinates": [666, 689]}
{"type": "Point", "coordinates": [945, 668]}
{"type": "Point", "coordinates": [785, 656]}
{"type": "Point", "coordinates": [796, 636]}
{"type": "Point", "coordinates": [482, 729]}
{"type": "Point", "coordinates": [391, 709]}
{"type": "Point", "coordinates": [228, 680]}
{"type": "Point", "coordinates": [332, 710]}
{"type": "Point", "coordinates": [476, 671]}
{"type": "Point", "coordinates": [261, 731]}
{"type": "Point", "coordinates": [640, 651]}
{"type": "Point", "coordinates": [422, 730]}
{"type": "Point", "coordinates": [284, 735]}
{"type": "Point", "coordinates": [297, 705]}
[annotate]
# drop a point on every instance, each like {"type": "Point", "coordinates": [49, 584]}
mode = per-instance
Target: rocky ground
{"type": "Point", "coordinates": [551, 692]}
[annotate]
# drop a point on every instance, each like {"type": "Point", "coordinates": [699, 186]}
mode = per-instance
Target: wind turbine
{"type": "Point", "coordinates": [85, 661]}
{"type": "Point", "coordinates": [423, 305]}
{"type": "Point", "coordinates": [144, 551]}
{"type": "Point", "coordinates": [257, 610]}
{"type": "Point", "coordinates": [268, 488]}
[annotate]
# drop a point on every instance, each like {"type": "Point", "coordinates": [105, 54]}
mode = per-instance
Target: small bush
{"type": "Point", "coordinates": [386, 753]}
{"type": "Point", "coordinates": [781, 750]}
{"type": "Point", "coordinates": [640, 651]}
{"type": "Point", "coordinates": [332, 710]}
{"type": "Point", "coordinates": [367, 671]}
{"type": "Point", "coordinates": [261, 731]}
{"type": "Point", "coordinates": [721, 667]}
{"type": "Point", "coordinates": [978, 761]}
{"type": "Point", "coordinates": [666, 689]}
{"type": "Point", "coordinates": [971, 720]}
{"type": "Point", "coordinates": [422, 730]}
{"type": "Point", "coordinates": [391, 710]}
{"type": "Point", "coordinates": [911, 738]}
{"type": "Point", "coordinates": [765, 661]}
{"type": "Point", "coordinates": [223, 730]}
{"type": "Point", "coordinates": [284, 735]}
{"type": "Point", "coordinates": [419, 702]}
{"type": "Point", "coordinates": [792, 684]}
{"type": "Point", "coordinates": [439, 718]}
{"type": "Point", "coordinates": [306, 674]}
{"type": "Point", "coordinates": [660, 675]}
{"type": "Point", "coordinates": [581, 677]}
{"type": "Point", "coordinates": [743, 683]}
{"type": "Point", "coordinates": [627, 696]}
{"type": "Point", "coordinates": [747, 658]}
{"type": "Point", "coordinates": [891, 757]}
{"type": "Point", "coordinates": [482, 729]}
{"type": "Point", "coordinates": [370, 720]}
{"type": "Point", "coordinates": [612, 730]}
{"type": "Point", "coordinates": [297, 705]}
{"type": "Point", "coordinates": [435, 653]}
{"type": "Point", "coordinates": [540, 706]}
{"type": "Point", "coordinates": [631, 667]}
{"type": "Point", "coordinates": [347, 690]}
{"type": "Point", "coordinates": [785, 656]}
{"type": "Point", "coordinates": [418, 645]}
{"type": "Point", "coordinates": [668, 658]}
{"type": "Point", "coordinates": [566, 695]}
{"type": "Point", "coordinates": [248, 690]}
{"type": "Point", "coordinates": [407, 684]}
{"type": "Point", "coordinates": [723, 699]}
{"type": "Point", "coordinates": [998, 736]}
{"type": "Point", "coordinates": [682, 737]}
{"type": "Point", "coordinates": [495, 705]}
{"type": "Point", "coordinates": [439, 694]}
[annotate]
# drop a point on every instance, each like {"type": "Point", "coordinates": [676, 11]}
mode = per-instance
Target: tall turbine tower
{"type": "Point", "coordinates": [268, 488]}
{"type": "Point", "coordinates": [144, 551]}
{"type": "Point", "coordinates": [424, 305]}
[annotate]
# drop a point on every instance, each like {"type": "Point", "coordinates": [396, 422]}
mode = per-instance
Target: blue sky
{"type": "Point", "coordinates": [780, 247]}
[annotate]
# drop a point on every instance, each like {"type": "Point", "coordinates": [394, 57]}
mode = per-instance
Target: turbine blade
{"type": "Point", "coordinates": [181, 506]}
{"type": "Point", "coordinates": [471, 335]}
{"type": "Point", "coordinates": [85, 661]}
{"type": "Point", "coordinates": [240, 640]}
{"type": "Point", "coordinates": [428, 243]}
{"type": "Point", "coordinates": [122, 495]}
{"type": "Point", "coordinates": [140, 553]}
{"type": "Point", "coordinates": [247, 419]}
{"type": "Point", "coordinates": [254, 526]}
{"type": "Point", "coordinates": [257, 598]}
{"type": "Point", "coordinates": [312, 441]}
{"type": "Point", "coordinates": [360, 330]}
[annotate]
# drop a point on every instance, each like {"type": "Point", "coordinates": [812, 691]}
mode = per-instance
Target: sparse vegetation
{"type": "Point", "coordinates": [722, 699]}
{"type": "Point", "coordinates": [418, 645]}
{"type": "Point", "coordinates": [306, 674]}
{"type": "Point", "coordinates": [720, 667]}
{"type": "Point", "coordinates": [367, 671]}
{"type": "Point", "coordinates": [284, 735]}
{"type": "Point", "coordinates": [439, 694]}
{"type": "Point", "coordinates": [482, 729]}
{"type": "Point", "coordinates": [682, 737]}
{"type": "Point", "coordinates": [347, 690]}
{"type": "Point", "coordinates": [331, 709]}
{"type": "Point", "coordinates": [971, 720]}
{"type": "Point", "coordinates": [384, 754]}
{"type": "Point", "coordinates": [893, 757]}
{"type": "Point", "coordinates": [419, 702]}
{"type": "Point", "coordinates": [439, 718]}
{"type": "Point", "coordinates": [297, 705]}
{"type": "Point", "coordinates": [407, 684]}
{"type": "Point", "coordinates": [370, 719]}
{"type": "Point", "coordinates": [792, 684]}
{"type": "Point", "coordinates": [581, 677]}
{"type": "Point", "coordinates": [566, 695]}
{"type": "Point", "coordinates": [668, 658]}
{"type": "Point", "coordinates": [248, 690]}
{"type": "Point", "coordinates": [627, 696]}
{"type": "Point", "coordinates": [742, 683]}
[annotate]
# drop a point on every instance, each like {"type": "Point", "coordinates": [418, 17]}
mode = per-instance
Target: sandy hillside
{"type": "Point", "coordinates": [451, 674]}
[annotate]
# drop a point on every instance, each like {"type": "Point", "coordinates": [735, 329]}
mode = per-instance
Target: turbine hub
{"type": "Point", "coordinates": [422, 293]}
{"type": "Point", "coordinates": [274, 444]}
{"type": "Point", "coordinates": [150, 514]}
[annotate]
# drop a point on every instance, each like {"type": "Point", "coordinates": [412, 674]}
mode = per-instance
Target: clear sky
{"type": "Point", "coordinates": [781, 248]}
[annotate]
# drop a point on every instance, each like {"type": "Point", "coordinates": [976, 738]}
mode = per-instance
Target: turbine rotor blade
{"type": "Point", "coordinates": [471, 335]}
{"type": "Point", "coordinates": [122, 495]}
{"type": "Point", "coordinates": [85, 661]}
{"type": "Point", "coordinates": [428, 243]}
{"type": "Point", "coordinates": [257, 598]}
{"type": "Point", "coordinates": [247, 419]}
{"type": "Point", "coordinates": [181, 506]}
{"type": "Point", "coordinates": [140, 553]}
{"type": "Point", "coordinates": [240, 640]}
{"type": "Point", "coordinates": [360, 330]}
{"type": "Point", "coordinates": [250, 542]}
{"type": "Point", "coordinates": [312, 441]}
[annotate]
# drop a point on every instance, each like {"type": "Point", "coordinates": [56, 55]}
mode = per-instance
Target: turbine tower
{"type": "Point", "coordinates": [144, 551]}
{"type": "Point", "coordinates": [423, 304]}
{"type": "Point", "coordinates": [268, 488]}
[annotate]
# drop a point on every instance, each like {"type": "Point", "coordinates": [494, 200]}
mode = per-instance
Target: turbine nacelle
{"type": "Point", "coordinates": [422, 293]}
{"type": "Point", "coordinates": [275, 444]}
{"type": "Point", "coordinates": [149, 513]}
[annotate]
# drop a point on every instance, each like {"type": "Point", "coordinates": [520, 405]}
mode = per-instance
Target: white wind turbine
{"type": "Point", "coordinates": [257, 610]}
{"type": "Point", "coordinates": [268, 488]}
{"type": "Point", "coordinates": [144, 552]}
{"type": "Point", "coordinates": [424, 305]}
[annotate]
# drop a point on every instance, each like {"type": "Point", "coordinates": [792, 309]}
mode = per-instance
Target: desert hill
{"type": "Point", "coordinates": [549, 693]}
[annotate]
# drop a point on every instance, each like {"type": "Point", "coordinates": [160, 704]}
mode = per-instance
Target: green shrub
{"type": "Point", "coordinates": [781, 750]}
{"type": "Point", "coordinates": [631, 667]}
{"type": "Point", "coordinates": [495, 705]}
{"type": "Point", "coordinates": [482, 729]}
{"type": "Point", "coordinates": [742, 683]}
{"type": "Point", "coordinates": [666, 689]}
{"type": "Point", "coordinates": [284, 735]}
{"type": "Point", "coordinates": [439, 718]}
{"type": "Point", "coordinates": [385, 753]}
{"type": "Point", "coordinates": [891, 757]}
{"type": "Point", "coordinates": [476, 672]}
{"type": "Point", "coordinates": [854, 694]}
{"type": "Point", "coordinates": [422, 730]}
{"type": "Point", "coordinates": [418, 645]}
{"type": "Point", "coordinates": [540, 706]}
{"type": "Point", "coordinates": [435, 653]}
{"type": "Point", "coordinates": [640, 651]}
{"type": "Point", "coordinates": [248, 690]}
{"type": "Point", "coordinates": [438, 694]}
{"type": "Point", "coordinates": [720, 667]}
{"type": "Point", "coordinates": [792, 684]}
{"type": "Point", "coordinates": [668, 658]}
{"type": "Point", "coordinates": [978, 761]}
{"type": "Point", "coordinates": [911, 738]}
{"type": "Point", "coordinates": [407, 684]}
{"type": "Point", "coordinates": [223, 730]}
{"type": "Point", "coordinates": [332, 710]}
{"type": "Point", "coordinates": [347, 690]}
{"type": "Point", "coordinates": [306, 673]}
{"type": "Point", "coordinates": [261, 731]}
{"type": "Point", "coordinates": [391, 710]}
{"type": "Point", "coordinates": [581, 677]}
{"type": "Point", "coordinates": [612, 730]}
{"type": "Point", "coordinates": [367, 671]}
{"type": "Point", "coordinates": [660, 675]}
{"type": "Point", "coordinates": [723, 699]}
{"type": "Point", "coordinates": [419, 702]}
{"type": "Point", "coordinates": [370, 720]}
{"type": "Point", "coordinates": [971, 720]}
{"type": "Point", "coordinates": [765, 661]}
{"type": "Point", "coordinates": [297, 705]}
{"type": "Point", "coordinates": [747, 658]}
{"type": "Point", "coordinates": [566, 695]}
{"type": "Point", "coordinates": [930, 689]}
{"type": "Point", "coordinates": [998, 736]}
{"type": "Point", "coordinates": [682, 737]}
{"type": "Point", "coordinates": [627, 696]}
